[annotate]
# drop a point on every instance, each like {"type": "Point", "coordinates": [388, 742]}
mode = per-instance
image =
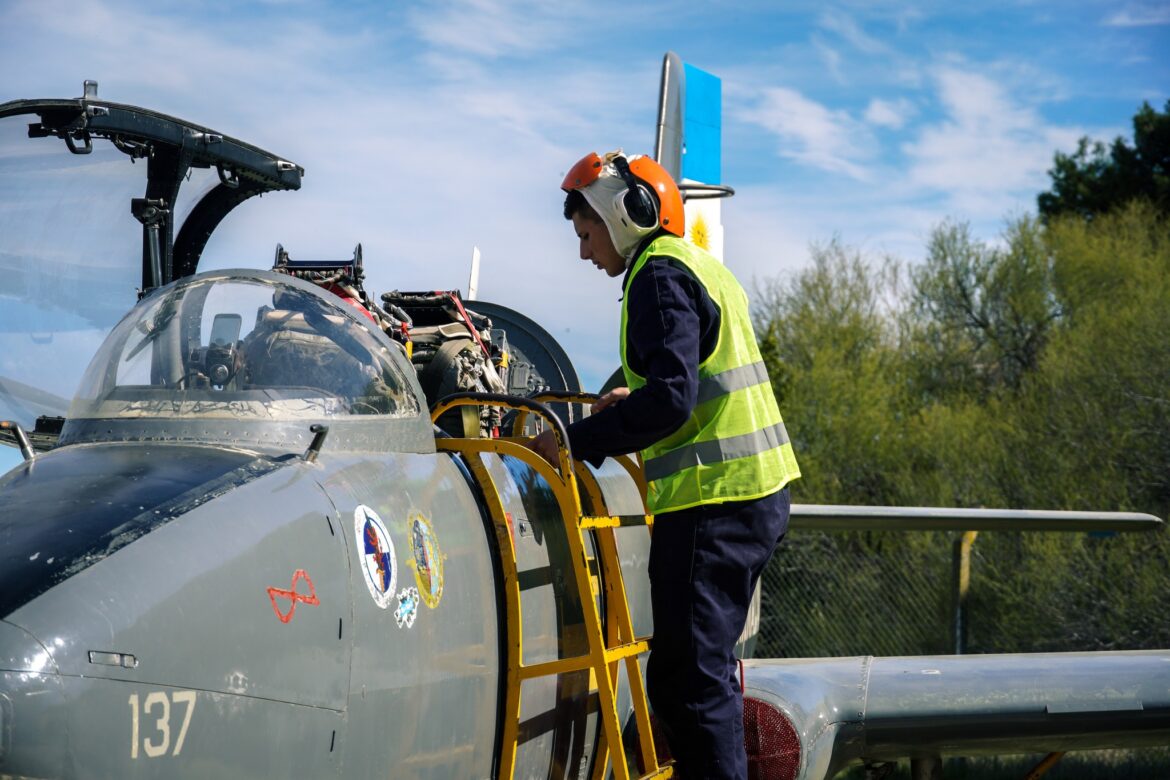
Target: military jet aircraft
{"type": "Point", "coordinates": [253, 546]}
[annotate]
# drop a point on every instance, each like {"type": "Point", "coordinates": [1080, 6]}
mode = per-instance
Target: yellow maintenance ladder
{"type": "Point", "coordinates": [603, 656]}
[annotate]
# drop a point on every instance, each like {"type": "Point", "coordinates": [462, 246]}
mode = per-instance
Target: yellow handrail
{"type": "Point", "coordinates": [603, 654]}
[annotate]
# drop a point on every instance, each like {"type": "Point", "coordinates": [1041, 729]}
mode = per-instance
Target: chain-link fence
{"type": "Point", "coordinates": [843, 594]}
{"type": "Point", "coordinates": [894, 593]}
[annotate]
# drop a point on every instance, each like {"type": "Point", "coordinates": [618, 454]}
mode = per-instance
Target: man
{"type": "Point", "coordinates": [699, 407]}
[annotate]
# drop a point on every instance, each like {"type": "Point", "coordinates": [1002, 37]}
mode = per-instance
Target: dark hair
{"type": "Point", "coordinates": [575, 203]}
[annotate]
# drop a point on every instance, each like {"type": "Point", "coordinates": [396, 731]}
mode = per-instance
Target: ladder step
{"type": "Point", "coordinates": [625, 651]}
{"type": "Point", "coordinates": [579, 663]}
{"type": "Point", "coordinates": [614, 521]}
{"type": "Point", "coordinates": [575, 663]}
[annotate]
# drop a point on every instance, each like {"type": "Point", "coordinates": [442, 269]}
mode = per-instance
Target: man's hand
{"type": "Point", "coordinates": [544, 444]}
{"type": "Point", "coordinates": [609, 399]}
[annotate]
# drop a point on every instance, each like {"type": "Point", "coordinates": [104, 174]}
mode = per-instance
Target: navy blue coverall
{"type": "Point", "coordinates": [704, 561]}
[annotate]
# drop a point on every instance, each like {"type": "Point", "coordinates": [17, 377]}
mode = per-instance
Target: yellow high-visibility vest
{"type": "Point", "coordinates": [734, 446]}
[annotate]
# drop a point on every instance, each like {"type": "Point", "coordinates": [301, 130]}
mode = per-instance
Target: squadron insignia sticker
{"type": "Point", "coordinates": [426, 560]}
{"type": "Point", "coordinates": [407, 607]}
{"type": "Point", "coordinates": [377, 555]}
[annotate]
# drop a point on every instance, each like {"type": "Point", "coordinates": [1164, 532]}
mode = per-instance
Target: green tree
{"type": "Point", "coordinates": [1094, 181]}
{"type": "Point", "coordinates": [978, 316]}
{"type": "Point", "coordinates": [1089, 428]}
{"type": "Point", "coordinates": [830, 348]}
{"type": "Point", "coordinates": [1095, 415]}
{"type": "Point", "coordinates": [1049, 356]}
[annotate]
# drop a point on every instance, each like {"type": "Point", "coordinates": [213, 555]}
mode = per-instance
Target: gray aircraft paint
{"type": "Point", "coordinates": [190, 602]}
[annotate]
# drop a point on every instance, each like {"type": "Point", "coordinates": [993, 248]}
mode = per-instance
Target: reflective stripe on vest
{"type": "Point", "coordinates": [716, 451]}
{"type": "Point", "coordinates": [731, 380]}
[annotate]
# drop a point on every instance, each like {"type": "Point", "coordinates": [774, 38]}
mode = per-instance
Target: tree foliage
{"type": "Point", "coordinates": [1054, 344]}
{"type": "Point", "coordinates": [1096, 412]}
{"type": "Point", "coordinates": [1027, 374]}
{"type": "Point", "coordinates": [831, 350]}
{"type": "Point", "coordinates": [978, 316]}
{"type": "Point", "coordinates": [1096, 180]}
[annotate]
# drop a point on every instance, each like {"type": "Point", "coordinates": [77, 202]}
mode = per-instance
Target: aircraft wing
{"type": "Point", "coordinates": [837, 711]}
{"type": "Point", "coordinates": [843, 517]}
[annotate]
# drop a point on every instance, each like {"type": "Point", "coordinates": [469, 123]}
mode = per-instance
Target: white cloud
{"type": "Point", "coordinates": [988, 150]}
{"type": "Point", "coordinates": [831, 57]}
{"type": "Point", "coordinates": [811, 133]}
{"type": "Point", "coordinates": [848, 28]}
{"type": "Point", "coordinates": [886, 113]}
{"type": "Point", "coordinates": [1140, 15]}
{"type": "Point", "coordinates": [490, 28]}
{"type": "Point", "coordinates": [769, 232]}
{"type": "Point", "coordinates": [907, 17]}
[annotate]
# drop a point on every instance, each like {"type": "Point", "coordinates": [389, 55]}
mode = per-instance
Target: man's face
{"type": "Point", "coordinates": [597, 246]}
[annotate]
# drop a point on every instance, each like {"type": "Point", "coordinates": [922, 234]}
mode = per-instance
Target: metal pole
{"type": "Point", "coordinates": [1041, 769]}
{"type": "Point", "coordinates": [962, 578]}
{"type": "Point", "coordinates": [22, 441]}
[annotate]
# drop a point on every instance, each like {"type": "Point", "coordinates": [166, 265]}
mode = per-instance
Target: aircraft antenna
{"type": "Point", "coordinates": [473, 279]}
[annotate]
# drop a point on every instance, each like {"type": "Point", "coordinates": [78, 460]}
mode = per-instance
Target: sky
{"type": "Point", "coordinates": [427, 129]}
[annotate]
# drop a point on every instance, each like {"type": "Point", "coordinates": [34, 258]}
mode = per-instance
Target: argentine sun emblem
{"type": "Point", "coordinates": [377, 555]}
{"type": "Point", "coordinates": [426, 560]}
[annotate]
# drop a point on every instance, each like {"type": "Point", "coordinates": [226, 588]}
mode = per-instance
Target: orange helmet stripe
{"type": "Point", "coordinates": [586, 171]}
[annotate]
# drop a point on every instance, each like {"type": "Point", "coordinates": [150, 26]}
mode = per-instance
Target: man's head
{"type": "Point", "coordinates": [596, 244]}
{"type": "Point", "coordinates": [631, 199]}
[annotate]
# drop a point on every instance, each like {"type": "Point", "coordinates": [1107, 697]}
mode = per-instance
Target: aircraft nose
{"type": "Point", "coordinates": [32, 707]}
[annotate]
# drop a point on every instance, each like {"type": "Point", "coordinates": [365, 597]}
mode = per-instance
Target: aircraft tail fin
{"type": "Point", "coordinates": [688, 144]}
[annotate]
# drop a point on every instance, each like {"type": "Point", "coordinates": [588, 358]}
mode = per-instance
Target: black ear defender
{"type": "Point", "coordinates": [638, 201]}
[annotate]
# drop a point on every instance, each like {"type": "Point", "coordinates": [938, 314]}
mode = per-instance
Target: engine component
{"type": "Point", "coordinates": [453, 350]}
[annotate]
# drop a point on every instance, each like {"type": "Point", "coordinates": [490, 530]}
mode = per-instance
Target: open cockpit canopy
{"type": "Point", "coordinates": [81, 237]}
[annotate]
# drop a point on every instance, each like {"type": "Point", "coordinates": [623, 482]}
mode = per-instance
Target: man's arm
{"type": "Point", "coordinates": [669, 315]}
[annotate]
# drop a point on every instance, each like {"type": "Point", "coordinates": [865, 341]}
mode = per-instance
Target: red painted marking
{"type": "Point", "coordinates": [293, 597]}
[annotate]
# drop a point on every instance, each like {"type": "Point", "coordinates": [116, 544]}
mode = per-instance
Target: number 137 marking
{"type": "Point", "coordinates": [158, 706]}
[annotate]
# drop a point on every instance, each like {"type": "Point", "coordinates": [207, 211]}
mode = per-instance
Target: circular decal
{"type": "Point", "coordinates": [426, 560]}
{"type": "Point", "coordinates": [377, 555]}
